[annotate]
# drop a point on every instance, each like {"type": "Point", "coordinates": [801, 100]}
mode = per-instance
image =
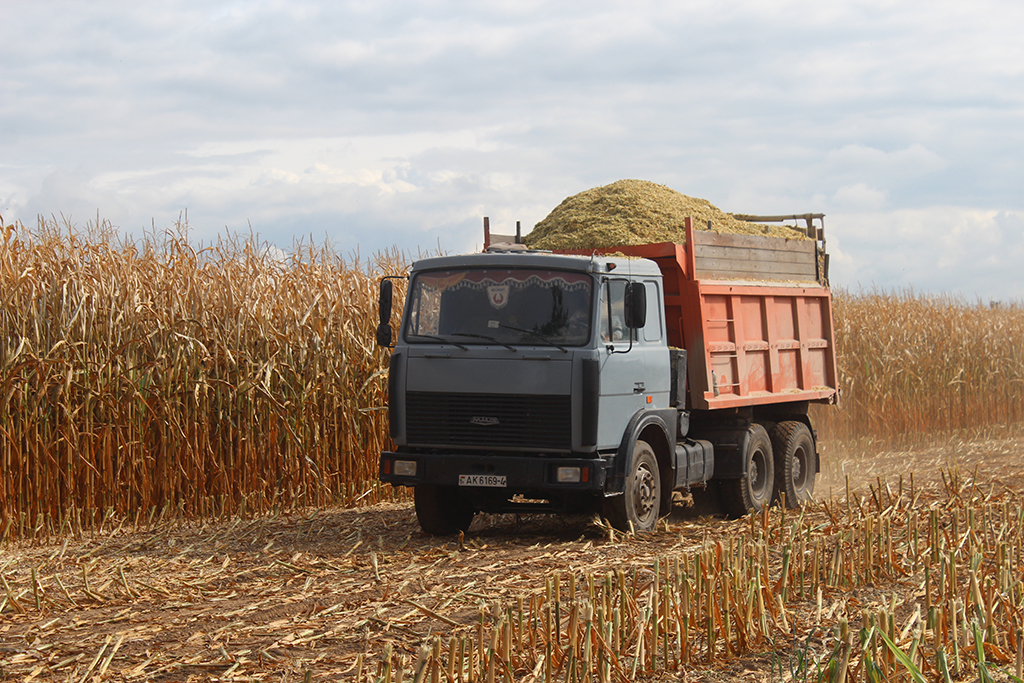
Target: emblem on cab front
{"type": "Point", "coordinates": [485, 421]}
{"type": "Point", "coordinates": [498, 295]}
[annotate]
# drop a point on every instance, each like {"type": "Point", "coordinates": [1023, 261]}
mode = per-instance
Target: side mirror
{"type": "Point", "coordinates": [384, 326]}
{"type": "Point", "coordinates": [636, 305]}
{"type": "Point", "coordinates": [386, 294]}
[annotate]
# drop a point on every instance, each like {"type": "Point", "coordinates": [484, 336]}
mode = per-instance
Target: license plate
{"type": "Point", "coordinates": [491, 480]}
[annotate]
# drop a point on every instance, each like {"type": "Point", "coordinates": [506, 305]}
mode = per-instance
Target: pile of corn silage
{"type": "Point", "coordinates": [630, 212]}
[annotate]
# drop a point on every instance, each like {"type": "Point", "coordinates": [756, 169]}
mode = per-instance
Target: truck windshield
{"type": "Point", "coordinates": [501, 306]}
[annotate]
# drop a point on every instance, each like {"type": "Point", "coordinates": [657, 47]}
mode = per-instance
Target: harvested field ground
{"type": "Point", "coordinates": [302, 596]}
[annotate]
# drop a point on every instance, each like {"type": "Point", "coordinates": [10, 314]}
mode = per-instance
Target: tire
{"type": "Point", "coordinates": [795, 463]}
{"type": "Point", "coordinates": [441, 511]}
{"type": "Point", "coordinates": [638, 508]}
{"type": "Point", "coordinates": [754, 490]}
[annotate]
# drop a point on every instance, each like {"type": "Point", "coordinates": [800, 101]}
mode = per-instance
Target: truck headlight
{"type": "Point", "coordinates": [405, 468]}
{"type": "Point", "coordinates": [568, 475]}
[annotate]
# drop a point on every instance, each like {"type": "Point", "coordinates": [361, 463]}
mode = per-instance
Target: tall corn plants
{"type": "Point", "coordinates": [152, 376]}
{"type": "Point", "coordinates": [912, 365]}
{"type": "Point", "coordinates": [141, 376]}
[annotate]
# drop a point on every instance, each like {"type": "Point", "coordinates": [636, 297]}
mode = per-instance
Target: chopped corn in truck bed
{"type": "Point", "coordinates": [633, 212]}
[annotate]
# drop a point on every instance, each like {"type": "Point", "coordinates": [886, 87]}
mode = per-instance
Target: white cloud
{"type": "Point", "coordinates": [976, 253]}
{"type": "Point", "coordinates": [915, 159]}
{"type": "Point", "coordinates": [385, 123]}
{"type": "Point", "coordinates": [859, 196]}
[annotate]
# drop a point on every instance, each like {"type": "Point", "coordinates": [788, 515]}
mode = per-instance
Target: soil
{"type": "Point", "coordinates": [316, 594]}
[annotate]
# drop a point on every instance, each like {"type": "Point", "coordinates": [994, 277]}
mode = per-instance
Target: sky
{"type": "Point", "coordinates": [376, 125]}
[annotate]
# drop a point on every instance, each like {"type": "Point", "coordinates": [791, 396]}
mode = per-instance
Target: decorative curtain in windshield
{"type": "Point", "coordinates": [510, 307]}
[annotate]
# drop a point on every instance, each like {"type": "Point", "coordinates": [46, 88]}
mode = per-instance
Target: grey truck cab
{"type": "Point", "coordinates": [534, 382]}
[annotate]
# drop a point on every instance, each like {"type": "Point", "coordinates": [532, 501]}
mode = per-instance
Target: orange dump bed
{"type": "Point", "coordinates": [754, 314]}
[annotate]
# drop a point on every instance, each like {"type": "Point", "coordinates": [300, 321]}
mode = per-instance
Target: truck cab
{"type": "Point", "coordinates": [517, 379]}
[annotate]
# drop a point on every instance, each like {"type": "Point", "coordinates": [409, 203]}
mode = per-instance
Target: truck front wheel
{"type": "Point", "coordinates": [638, 507]}
{"type": "Point", "coordinates": [441, 511]}
{"type": "Point", "coordinates": [753, 491]}
{"type": "Point", "coordinates": [794, 462]}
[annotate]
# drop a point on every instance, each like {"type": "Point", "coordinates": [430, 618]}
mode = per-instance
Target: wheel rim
{"type": "Point", "coordinates": [799, 469]}
{"type": "Point", "coordinates": [645, 493]}
{"type": "Point", "coordinates": [758, 474]}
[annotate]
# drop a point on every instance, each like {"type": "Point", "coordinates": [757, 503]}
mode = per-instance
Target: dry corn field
{"type": "Point", "coordinates": [912, 366]}
{"type": "Point", "coordinates": [158, 379]}
{"type": "Point", "coordinates": [188, 441]}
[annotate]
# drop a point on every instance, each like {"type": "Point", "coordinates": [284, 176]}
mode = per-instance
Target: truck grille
{"type": "Point", "coordinates": [489, 420]}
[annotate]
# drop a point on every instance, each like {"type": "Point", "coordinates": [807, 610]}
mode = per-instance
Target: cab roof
{"type": "Point", "coordinates": [597, 263]}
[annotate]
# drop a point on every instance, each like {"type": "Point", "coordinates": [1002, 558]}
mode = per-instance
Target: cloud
{"type": "Point", "coordinates": [384, 123]}
{"type": "Point", "coordinates": [859, 196]}
{"type": "Point", "coordinates": [955, 250]}
{"type": "Point", "coordinates": [859, 158]}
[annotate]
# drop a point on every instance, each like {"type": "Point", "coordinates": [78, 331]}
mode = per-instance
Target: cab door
{"type": "Point", "coordinates": [634, 363]}
{"type": "Point", "coordinates": [623, 369]}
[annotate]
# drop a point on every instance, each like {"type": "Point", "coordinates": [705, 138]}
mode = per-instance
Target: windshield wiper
{"type": "Point", "coordinates": [443, 340]}
{"type": "Point", "coordinates": [484, 337]}
{"type": "Point", "coordinates": [538, 335]}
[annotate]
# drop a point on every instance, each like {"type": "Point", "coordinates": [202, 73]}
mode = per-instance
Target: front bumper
{"type": "Point", "coordinates": [521, 473]}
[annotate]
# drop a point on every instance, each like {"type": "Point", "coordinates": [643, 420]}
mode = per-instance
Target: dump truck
{"type": "Point", "coordinates": [605, 380]}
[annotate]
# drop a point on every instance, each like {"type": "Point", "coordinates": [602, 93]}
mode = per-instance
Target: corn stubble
{"type": "Point", "coordinates": [810, 589]}
{"type": "Point", "coordinates": [153, 378]}
{"type": "Point", "coordinates": [901, 582]}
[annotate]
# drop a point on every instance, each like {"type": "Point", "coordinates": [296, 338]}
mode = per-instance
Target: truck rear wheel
{"type": "Point", "coordinates": [754, 490]}
{"type": "Point", "coordinates": [794, 462]}
{"type": "Point", "coordinates": [638, 508]}
{"type": "Point", "coordinates": [441, 511]}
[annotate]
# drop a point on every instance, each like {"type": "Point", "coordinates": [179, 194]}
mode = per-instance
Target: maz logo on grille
{"type": "Point", "coordinates": [485, 421]}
